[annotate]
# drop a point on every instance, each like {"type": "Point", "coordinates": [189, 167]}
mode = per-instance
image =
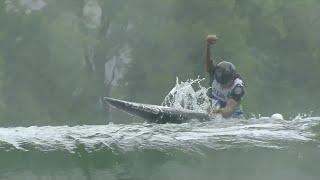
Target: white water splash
{"type": "Point", "coordinates": [188, 95]}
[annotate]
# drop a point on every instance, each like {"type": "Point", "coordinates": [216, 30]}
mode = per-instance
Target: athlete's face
{"type": "Point", "coordinates": [222, 77]}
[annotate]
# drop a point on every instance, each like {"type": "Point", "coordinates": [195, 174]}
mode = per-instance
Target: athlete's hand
{"type": "Point", "coordinates": [212, 39]}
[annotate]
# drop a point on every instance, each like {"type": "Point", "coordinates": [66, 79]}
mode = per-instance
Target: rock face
{"type": "Point", "coordinates": [28, 5]}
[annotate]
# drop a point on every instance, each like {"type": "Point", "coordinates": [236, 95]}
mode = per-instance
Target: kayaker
{"type": "Point", "coordinates": [227, 88]}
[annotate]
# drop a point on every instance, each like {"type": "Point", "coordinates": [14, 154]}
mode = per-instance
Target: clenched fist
{"type": "Point", "coordinates": [212, 39]}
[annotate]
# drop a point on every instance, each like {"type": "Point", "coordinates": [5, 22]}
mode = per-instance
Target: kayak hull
{"type": "Point", "coordinates": [157, 114]}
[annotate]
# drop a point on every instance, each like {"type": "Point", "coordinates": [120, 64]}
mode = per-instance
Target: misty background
{"type": "Point", "coordinates": [58, 59]}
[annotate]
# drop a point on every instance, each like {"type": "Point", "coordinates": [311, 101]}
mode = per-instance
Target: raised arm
{"type": "Point", "coordinates": [211, 39]}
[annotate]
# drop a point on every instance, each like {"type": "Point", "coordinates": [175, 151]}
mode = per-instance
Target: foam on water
{"type": "Point", "coordinates": [186, 137]}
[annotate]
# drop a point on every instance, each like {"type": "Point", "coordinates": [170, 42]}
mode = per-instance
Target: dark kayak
{"type": "Point", "coordinates": [157, 114]}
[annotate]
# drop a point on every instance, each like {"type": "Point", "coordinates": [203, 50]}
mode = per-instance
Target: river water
{"type": "Point", "coordinates": [239, 149]}
{"type": "Point", "coordinates": [221, 149]}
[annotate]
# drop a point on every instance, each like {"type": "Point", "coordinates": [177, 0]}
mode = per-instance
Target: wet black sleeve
{"type": "Point", "coordinates": [237, 93]}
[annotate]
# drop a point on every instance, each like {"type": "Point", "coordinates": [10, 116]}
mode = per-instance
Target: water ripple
{"type": "Point", "coordinates": [223, 134]}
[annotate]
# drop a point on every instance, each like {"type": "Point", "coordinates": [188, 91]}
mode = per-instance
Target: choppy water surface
{"type": "Point", "coordinates": [225, 149]}
{"type": "Point", "coordinates": [261, 148]}
{"type": "Point", "coordinates": [188, 137]}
